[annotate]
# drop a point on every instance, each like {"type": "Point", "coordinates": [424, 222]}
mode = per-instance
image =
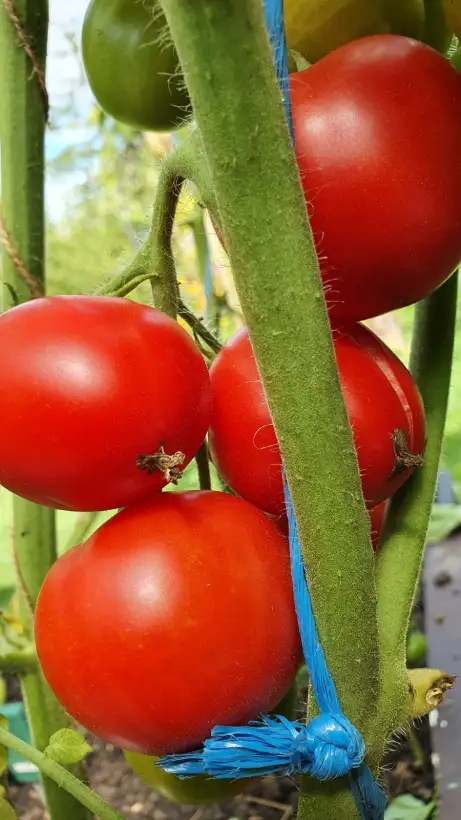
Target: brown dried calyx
{"type": "Point", "coordinates": [404, 459]}
{"type": "Point", "coordinates": [168, 465]}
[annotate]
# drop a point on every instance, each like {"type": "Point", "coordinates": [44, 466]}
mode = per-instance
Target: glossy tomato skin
{"type": "Point", "coordinates": [175, 616]}
{"type": "Point", "coordinates": [380, 398]}
{"type": "Point", "coordinates": [92, 383]}
{"type": "Point", "coordinates": [384, 190]}
{"type": "Point", "coordinates": [132, 66]}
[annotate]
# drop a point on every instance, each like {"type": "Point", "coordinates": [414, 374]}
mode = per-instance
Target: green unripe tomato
{"type": "Point", "coordinates": [314, 28]}
{"type": "Point", "coordinates": [194, 791]}
{"type": "Point", "coordinates": [132, 66]}
{"type": "Point", "coordinates": [202, 789]}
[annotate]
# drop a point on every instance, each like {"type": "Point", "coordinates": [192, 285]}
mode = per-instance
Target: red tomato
{"type": "Point", "coordinates": [381, 399]}
{"type": "Point", "coordinates": [176, 615]}
{"type": "Point", "coordinates": [377, 520]}
{"type": "Point", "coordinates": [89, 385]}
{"type": "Point", "coordinates": [378, 134]}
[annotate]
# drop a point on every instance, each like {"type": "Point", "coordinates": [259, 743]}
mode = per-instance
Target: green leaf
{"type": "Point", "coordinates": [407, 807]}
{"type": "Point", "coordinates": [445, 518]}
{"type": "Point", "coordinates": [67, 747]}
{"type": "Point", "coordinates": [6, 810]}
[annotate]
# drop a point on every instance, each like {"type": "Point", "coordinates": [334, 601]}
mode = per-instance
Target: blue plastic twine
{"type": "Point", "coordinates": [329, 746]}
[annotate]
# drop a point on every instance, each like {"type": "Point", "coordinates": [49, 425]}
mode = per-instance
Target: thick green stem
{"type": "Point", "coordinates": [400, 558]}
{"type": "Point", "coordinates": [23, 41]}
{"type": "Point", "coordinates": [227, 63]}
{"type": "Point", "coordinates": [18, 661]}
{"type": "Point", "coordinates": [62, 778]}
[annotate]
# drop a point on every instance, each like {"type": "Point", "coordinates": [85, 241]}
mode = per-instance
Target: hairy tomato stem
{"type": "Point", "coordinates": [227, 62]}
{"type": "Point", "coordinates": [399, 560]}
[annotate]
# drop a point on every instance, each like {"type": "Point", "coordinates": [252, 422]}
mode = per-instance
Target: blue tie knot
{"type": "Point", "coordinates": [328, 747]}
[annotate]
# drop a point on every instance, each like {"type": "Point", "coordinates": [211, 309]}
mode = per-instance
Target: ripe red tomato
{"type": "Point", "coordinates": [381, 399]}
{"type": "Point", "coordinates": [89, 385]}
{"type": "Point", "coordinates": [377, 520]}
{"type": "Point", "coordinates": [176, 615]}
{"type": "Point", "coordinates": [383, 188]}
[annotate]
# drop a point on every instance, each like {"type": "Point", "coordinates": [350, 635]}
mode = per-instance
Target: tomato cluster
{"type": "Point", "coordinates": [177, 614]}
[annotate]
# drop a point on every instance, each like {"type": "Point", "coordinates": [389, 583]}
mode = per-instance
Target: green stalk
{"type": "Point", "coordinates": [67, 785]}
{"type": "Point", "coordinates": [227, 64]}
{"type": "Point", "coordinates": [18, 661]}
{"type": "Point", "coordinates": [23, 42]}
{"type": "Point", "coordinates": [203, 467]}
{"type": "Point", "coordinates": [83, 525]}
{"type": "Point", "coordinates": [399, 561]}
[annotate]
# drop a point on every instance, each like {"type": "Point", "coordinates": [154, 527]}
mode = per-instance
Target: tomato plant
{"type": "Point", "coordinates": [380, 398]}
{"type": "Point", "coordinates": [131, 65]}
{"type": "Point", "coordinates": [93, 384]}
{"type": "Point", "coordinates": [317, 27]}
{"type": "Point", "coordinates": [175, 616]}
{"type": "Point", "coordinates": [374, 173]}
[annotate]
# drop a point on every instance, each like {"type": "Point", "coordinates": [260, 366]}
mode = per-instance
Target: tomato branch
{"type": "Point", "coordinates": [400, 558]}
{"type": "Point", "coordinates": [227, 63]}
{"type": "Point", "coordinates": [23, 40]}
{"type": "Point", "coordinates": [154, 261]}
{"type": "Point", "coordinates": [18, 661]}
{"type": "Point", "coordinates": [67, 783]}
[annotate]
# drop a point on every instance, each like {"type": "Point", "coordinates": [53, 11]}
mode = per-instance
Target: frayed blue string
{"type": "Point", "coordinates": [329, 746]}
